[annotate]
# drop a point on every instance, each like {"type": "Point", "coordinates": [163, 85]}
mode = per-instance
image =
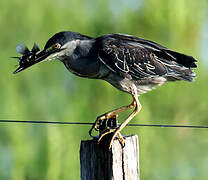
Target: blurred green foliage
{"type": "Point", "coordinates": [49, 92]}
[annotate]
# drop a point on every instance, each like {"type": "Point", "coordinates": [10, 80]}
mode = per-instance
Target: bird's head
{"type": "Point", "coordinates": [58, 46]}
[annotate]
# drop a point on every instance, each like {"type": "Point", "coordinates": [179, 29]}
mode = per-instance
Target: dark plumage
{"type": "Point", "coordinates": [64, 37]}
{"type": "Point", "coordinates": [142, 59]}
{"type": "Point", "coordinates": [129, 63]}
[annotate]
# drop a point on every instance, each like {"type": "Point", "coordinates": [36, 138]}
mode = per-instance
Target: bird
{"type": "Point", "coordinates": [131, 64]}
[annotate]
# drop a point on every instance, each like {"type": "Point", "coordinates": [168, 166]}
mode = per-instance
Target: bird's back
{"type": "Point", "coordinates": [143, 62]}
{"type": "Point", "coordinates": [142, 59]}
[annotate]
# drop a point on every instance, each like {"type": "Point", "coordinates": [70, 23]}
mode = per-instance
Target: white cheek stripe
{"type": "Point", "coordinates": [51, 57]}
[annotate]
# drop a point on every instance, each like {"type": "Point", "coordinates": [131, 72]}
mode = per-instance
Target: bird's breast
{"type": "Point", "coordinates": [83, 67]}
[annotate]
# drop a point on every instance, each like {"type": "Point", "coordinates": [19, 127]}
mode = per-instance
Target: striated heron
{"type": "Point", "coordinates": [131, 64]}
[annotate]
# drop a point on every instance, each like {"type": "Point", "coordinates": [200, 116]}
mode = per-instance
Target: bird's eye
{"type": "Point", "coordinates": [57, 46]}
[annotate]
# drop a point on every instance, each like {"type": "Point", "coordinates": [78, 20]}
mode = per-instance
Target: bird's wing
{"type": "Point", "coordinates": [139, 58]}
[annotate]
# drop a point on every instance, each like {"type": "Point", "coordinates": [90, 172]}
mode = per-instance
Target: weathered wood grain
{"type": "Point", "coordinates": [118, 163]}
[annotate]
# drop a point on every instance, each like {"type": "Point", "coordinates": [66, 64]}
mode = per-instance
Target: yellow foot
{"type": "Point", "coordinates": [120, 138]}
{"type": "Point", "coordinates": [108, 131]}
{"type": "Point", "coordinates": [114, 134]}
{"type": "Point", "coordinates": [100, 119]}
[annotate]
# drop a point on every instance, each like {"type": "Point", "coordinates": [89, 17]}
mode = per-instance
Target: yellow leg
{"type": "Point", "coordinates": [130, 117]}
{"type": "Point", "coordinates": [116, 132]}
{"type": "Point", "coordinates": [105, 133]}
{"type": "Point", "coordinates": [111, 114]}
{"type": "Point", "coordinates": [120, 138]}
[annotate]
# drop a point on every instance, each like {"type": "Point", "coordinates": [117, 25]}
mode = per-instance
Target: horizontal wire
{"type": "Point", "coordinates": [45, 122]}
{"type": "Point", "coordinates": [88, 123]}
{"type": "Point", "coordinates": [166, 125]}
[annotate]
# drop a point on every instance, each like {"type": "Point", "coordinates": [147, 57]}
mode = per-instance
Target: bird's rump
{"type": "Point", "coordinates": [141, 59]}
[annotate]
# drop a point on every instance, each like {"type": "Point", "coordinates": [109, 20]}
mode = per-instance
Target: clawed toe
{"type": "Point", "coordinates": [103, 123]}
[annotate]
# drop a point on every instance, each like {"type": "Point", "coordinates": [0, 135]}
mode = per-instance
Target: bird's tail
{"type": "Point", "coordinates": [180, 73]}
{"type": "Point", "coordinates": [179, 66]}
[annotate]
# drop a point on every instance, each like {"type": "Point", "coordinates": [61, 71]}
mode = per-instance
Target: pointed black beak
{"type": "Point", "coordinates": [30, 59]}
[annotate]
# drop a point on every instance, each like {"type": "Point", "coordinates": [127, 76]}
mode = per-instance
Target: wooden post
{"type": "Point", "coordinates": [118, 163]}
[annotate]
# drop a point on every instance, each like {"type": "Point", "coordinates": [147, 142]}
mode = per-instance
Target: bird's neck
{"type": "Point", "coordinates": [80, 60]}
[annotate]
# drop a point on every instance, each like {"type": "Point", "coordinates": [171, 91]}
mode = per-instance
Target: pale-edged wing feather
{"type": "Point", "coordinates": [140, 59]}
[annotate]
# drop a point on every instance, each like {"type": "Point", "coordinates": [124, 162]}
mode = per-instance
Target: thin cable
{"type": "Point", "coordinates": [45, 122]}
{"type": "Point", "coordinates": [88, 123]}
{"type": "Point", "coordinates": [166, 125]}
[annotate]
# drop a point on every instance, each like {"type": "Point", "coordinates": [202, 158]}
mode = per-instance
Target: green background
{"type": "Point", "coordinates": [49, 92]}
